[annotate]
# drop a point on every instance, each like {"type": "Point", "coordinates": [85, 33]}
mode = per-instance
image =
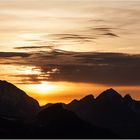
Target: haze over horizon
{"type": "Point", "coordinates": [58, 50]}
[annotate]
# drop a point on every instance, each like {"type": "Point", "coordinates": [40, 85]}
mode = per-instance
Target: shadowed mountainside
{"type": "Point", "coordinates": [53, 121]}
{"type": "Point", "coordinates": [57, 122]}
{"type": "Point", "coordinates": [15, 102]}
{"type": "Point", "coordinates": [110, 110]}
{"type": "Point", "coordinates": [108, 116]}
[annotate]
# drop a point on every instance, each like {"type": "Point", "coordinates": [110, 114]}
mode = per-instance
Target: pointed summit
{"type": "Point", "coordinates": [128, 97]}
{"type": "Point", "coordinates": [109, 94]}
{"type": "Point", "coordinates": [80, 105]}
{"type": "Point", "coordinates": [111, 91]}
{"type": "Point", "coordinates": [3, 84]}
{"type": "Point", "coordinates": [88, 98]}
{"type": "Point", "coordinates": [73, 102]}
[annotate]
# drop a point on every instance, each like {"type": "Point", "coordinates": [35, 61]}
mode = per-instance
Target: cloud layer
{"type": "Point", "coordinates": [87, 67]}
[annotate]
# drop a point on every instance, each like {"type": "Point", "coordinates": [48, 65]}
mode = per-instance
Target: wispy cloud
{"type": "Point", "coordinates": [111, 34]}
{"type": "Point", "coordinates": [33, 47]}
{"type": "Point", "coordinates": [13, 54]}
{"type": "Point", "coordinates": [73, 37]}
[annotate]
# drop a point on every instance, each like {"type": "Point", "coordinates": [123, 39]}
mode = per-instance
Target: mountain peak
{"type": "Point", "coordinates": [74, 101]}
{"type": "Point", "coordinates": [109, 94]}
{"type": "Point", "coordinates": [89, 98]}
{"type": "Point", "coordinates": [16, 103]}
{"type": "Point", "coordinates": [111, 90]}
{"type": "Point", "coordinates": [3, 82]}
{"type": "Point", "coordinates": [5, 86]}
{"type": "Point", "coordinates": [127, 98]}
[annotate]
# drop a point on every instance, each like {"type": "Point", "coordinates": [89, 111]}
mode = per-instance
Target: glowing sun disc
{"type": "Point", "coordinates": [44, 87]}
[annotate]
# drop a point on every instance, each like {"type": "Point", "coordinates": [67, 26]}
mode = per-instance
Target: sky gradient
{"type": "Point", "coordinates": [58, 50]}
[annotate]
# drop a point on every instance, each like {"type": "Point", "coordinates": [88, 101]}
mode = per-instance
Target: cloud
{"type": "Point", "coordinates": [100, 68]}
{"type": "Point", "coordinates": [13, 54]}
{"type": "Point", "coordinates": [111, 34]}
{"type": "Point", "coordinates": [103, 30]}
{"type": "Point", "coordinates": [33, 47]}
{"type": "Point", "coordinates": [73, 37]}
{"type": "Point", "coordinates": [86, 35]}
{"type": "Point", "coordinates": [89, 67]}
{"type": "Point", "coordinates": [99, 74]}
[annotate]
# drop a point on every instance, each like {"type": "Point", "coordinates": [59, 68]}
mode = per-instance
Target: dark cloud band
{"type": "Point", "coordinates": [13, 54]}
{"type": "Point", "coordinates": [88, 67]}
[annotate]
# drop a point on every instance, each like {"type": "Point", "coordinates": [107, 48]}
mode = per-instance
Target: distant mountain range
{"type": "Point", "coordinates": [108, 116]}
{"type": "Point", "coordinates": [110, 110]}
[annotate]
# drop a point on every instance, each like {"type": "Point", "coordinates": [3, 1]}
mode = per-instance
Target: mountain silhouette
{"type": "Point", "coordinates": [111, 110]}
{"type": "Point", "coordinates": [15, 102]}
{"type": "Point", "coordinates": [88, 98]}
{"type": "Point", "coordinates": [109, 115]}
{"type": "Point", "coordinates": [109, 95]}
{"type": "Point", "coordinates": [82, 107]}
{"type": "Point", "coordinates": [57, 122]}
{"type": "Point", "coordinates": [50, 121]}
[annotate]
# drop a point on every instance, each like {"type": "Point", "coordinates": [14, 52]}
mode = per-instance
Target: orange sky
{"type": "Point", "coordinates": [66, 92]}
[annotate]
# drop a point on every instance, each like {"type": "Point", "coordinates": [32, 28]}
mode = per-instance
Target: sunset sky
{"type": "Point", "coordinates": [58, 50]}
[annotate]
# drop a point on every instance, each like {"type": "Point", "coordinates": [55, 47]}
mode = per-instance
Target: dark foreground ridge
{"type": "Point", "coordinates": [15, 102]}
{"type": "Point", "coordinates": [108, 116]}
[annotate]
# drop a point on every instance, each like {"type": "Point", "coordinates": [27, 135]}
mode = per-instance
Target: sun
{"type": "Point", "coordinates": [44, 87]}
